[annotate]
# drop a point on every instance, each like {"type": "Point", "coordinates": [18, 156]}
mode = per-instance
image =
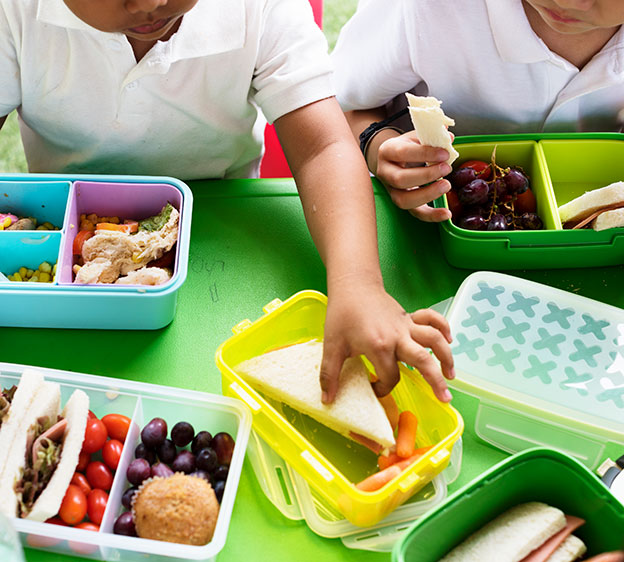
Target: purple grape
{"type": "Point", "coordinates": [162, 470]}
{"type": "Point", "coordinates": [223, 444]}
{"type": "Point", "coordinates": [499, 187]}
{"type": "Point", "coordinates": [461, 177]}
{"type": "Point", "coordinates": [201, 474]}
{"type": "Point", "coordinates": [124, 525]}
{"type": "Point", "coordinates": [218, 488]}
{"type": "Point", "coordinates": [182, 433]}
{"type": "Point", "coordinates": [530, 221]}
{"type": "Point", "coordinates": [138, 470]}
{"type": "Point", "coordinates": [472, 222]}
{"type": "Point", "coordinates": [167, 451]}
{"type": "Point", "coordinates": [206, 459]}
{"type": "Point", "coordinates": [516, 181]}
{"type": "Point", "coordinates": [475, 193]}
{"type": "Point", "coordinates": [154, 433]}
{"type": "Point", "coordinates": [142, 452]}
{"type": "Point", "coordinates": [497, 222]}
{"type": "Point", "coordinates": [202, 440]}
{"type": "Point", "coordinates": [126, 498]}
{"type": "Point", "coordinates": [184, 462]}
{"type": "Point", "coordinates": [220, 473]}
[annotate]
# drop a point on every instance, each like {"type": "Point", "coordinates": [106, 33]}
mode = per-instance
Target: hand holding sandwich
{"type": "Point", "coordinates": [384, 333]}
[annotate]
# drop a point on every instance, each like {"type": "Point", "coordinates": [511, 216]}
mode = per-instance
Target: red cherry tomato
{"type": "Point", "coordinates": [96, 504]}
{"type": "Point", "coordinates": [111, 452]}
{"type": "Point", "coordinates": [84, 459]}
{"type": "Point", "coordinates": [81, 547]}
{"type": "Point", "coordinates": [39, 541]}
{"type": "Point", "coordinates": [99, 475]}
{"type": "Point", "coordinates": [453, 203]}
{"type": "Point", "coordinates": [56, 521]}
{"type": "Point", "coordinates": [74, 506]}
{"type": "Point", "coordinates": [525, 203]}
{"type": "Point", "coordinates": [79, 240]}
{"type": "Point", "coordinates": [81, 481]}
{"type": "Point", "coordinates": [88, 525]}
{"type": "Point", "coordinates": [95, 435]}
{"type": "Point", "coordinates": [483, 169]}
{"type": "Point", "coordinates": [117, 426]}
{"type": "Point", "coordinates": [91, 415]}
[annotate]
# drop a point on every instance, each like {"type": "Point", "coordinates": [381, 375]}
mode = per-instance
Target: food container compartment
{"type": "Point", "coordinates": [546, 365]}
{"type": "Point", "coordinates": [330, 463]}
{"type": "Point", "coordinates": [141, 402]}
{"type": "Point", "coordinates": [296, 500]}
{"type": "Point", "coordinates": [560, 167]}
{"type": "Point", "coordinates": [134, 201]}
{"type": "Point", "coordinates": [535, 475]}
{"type": "Point", "coordinates": [21, 248]}
{"type": "Point", "coordinates": [44, 200]}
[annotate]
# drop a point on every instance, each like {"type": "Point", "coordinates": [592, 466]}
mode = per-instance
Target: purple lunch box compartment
{"type": "Point", "coordinates": [135, 201]}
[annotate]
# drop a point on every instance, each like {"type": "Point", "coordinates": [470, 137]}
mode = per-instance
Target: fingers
{"type": "Point", "coordinates": [426, 213]}
{"type": "Point", "coordinates": [431, 338]}
{"type": "Point", "coordinates": [331, 365]}
{"type": "Point", "coordinates": [434, 319]}
{"type": "Point", "coordinates": [417, 356]}
{"type": "Point", "coordinates": [410, 199]}
{"type": "Point", "coordinates": [387, 370]}
{"type": "Point", "coordinates": [407, 177]}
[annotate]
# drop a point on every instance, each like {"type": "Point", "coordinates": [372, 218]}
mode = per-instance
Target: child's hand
{"type": "Point", "coordinates": [401, 168]}
{"type": "Point", "coordinates": [365, 321]}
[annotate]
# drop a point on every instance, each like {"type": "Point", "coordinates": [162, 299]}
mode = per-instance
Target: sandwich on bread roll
{"type": "Point", "coordinates": [291, 375]}
{"type": "Point", "coordinates": [529, 532]}
{"type": "Point", "coordinates": [41, 452]}
{"type": "Point", "coordinates": [430, 123]}
{"type": "Point", "coordinates": [602, 208]}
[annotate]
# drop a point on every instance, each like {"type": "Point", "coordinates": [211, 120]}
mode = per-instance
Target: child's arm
{"type": "Point", "coordinates": [338, 203]}
{"type": "Point", "coordinates": [398, 161]}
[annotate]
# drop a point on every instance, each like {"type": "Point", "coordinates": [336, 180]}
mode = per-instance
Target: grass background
{"type": "Point", "coordinates": [335, 14]}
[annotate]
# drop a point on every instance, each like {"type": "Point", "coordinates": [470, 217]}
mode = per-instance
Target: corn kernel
{"type": "Point", "coordinates": [17, 276]}
{"type": "Point", "coordinates": [45, 266]}
{"type": "Point", "coordinates": [54, 269]}
{"type": "Point", "coordinates": [22, 271]}
{"type": "Point", "coordinates": [93, 218]}
{"type": "Point", "coordinates": [44, 277]}
{"type": "Point", "coordinates": [29, 273]}
{"type": "Point", "coordinates": [33, 279]}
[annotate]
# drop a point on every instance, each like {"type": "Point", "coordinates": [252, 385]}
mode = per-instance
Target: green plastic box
{"type": "Point", "coordinates": [560, 167]}
{"type": "Point", "coordinates": [535, 475]}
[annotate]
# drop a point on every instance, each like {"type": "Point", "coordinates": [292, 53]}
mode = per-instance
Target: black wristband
{"type": "Point", "coordinates": [367, 134]}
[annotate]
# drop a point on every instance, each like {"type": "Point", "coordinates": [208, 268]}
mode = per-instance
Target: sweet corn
{"type": "Point", "coordinates": [44, 277]}
{"type": "Point", "coordinates": [22, 272]}
{"type": "Point", "coordinates": [17, 277]}
{"type": "Point", "coordinates": [45, 267]}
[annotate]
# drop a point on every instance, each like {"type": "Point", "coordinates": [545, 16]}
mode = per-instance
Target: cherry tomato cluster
{"type": "Point", "coordinates": [87, 494]}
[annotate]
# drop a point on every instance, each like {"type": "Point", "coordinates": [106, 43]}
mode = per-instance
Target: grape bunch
{"type": "Point", "coordinates": [198, 454]}
{"type": "Point", "coordinates": [485, 196]}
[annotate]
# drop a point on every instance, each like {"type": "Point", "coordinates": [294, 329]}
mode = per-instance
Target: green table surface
{"type": "Point", "coordinates": [250, 245]}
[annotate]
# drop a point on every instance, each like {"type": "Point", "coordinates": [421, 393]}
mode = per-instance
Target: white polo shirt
{"type": "Point", "coordinates": [482, 59]}
{"type": "Point", "coordinates": [188, 109]}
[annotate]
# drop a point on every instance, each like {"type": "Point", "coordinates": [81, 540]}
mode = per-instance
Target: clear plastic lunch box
{"type": "Point", "coordinates": [60, 199]}
{"type": "Point", "coordinates": [539, 474]}
{"type": "Point", "coordinates": [296, 500]}
{"type": "Point", "coordinates": [560, 166]}
{"type": "Point", "coordinates": [546, 365]}
{"type": "Point", "coordinates": [330, 463]}
{"type": "Point", "coordinates": [141, 402]}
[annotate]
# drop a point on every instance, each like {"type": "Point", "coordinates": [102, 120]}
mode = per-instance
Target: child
{"type": "Point", "coordinates": [499, 66]}
{"type": "Point", "coordinates": [170, 87]}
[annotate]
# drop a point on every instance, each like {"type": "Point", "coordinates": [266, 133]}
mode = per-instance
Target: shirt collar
{"type": "Point", "coordinates": [211, 27]}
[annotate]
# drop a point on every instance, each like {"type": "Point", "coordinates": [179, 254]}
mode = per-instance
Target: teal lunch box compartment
{"type": "Point", "coordinates": [560, 167]}
{"type": "Point", "coordinates": [539, 474]}
{"type": "Point", "coordinates": [63, 303]}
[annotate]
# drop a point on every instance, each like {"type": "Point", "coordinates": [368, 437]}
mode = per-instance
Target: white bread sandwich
{"type": "Point", "coordinates": [430, 123]}
{"type": "Point", "coordinates": [291, 375]}
{"type": "Point", "coordinates": [529, 532]}
{"type": "Point", "coordinates": [602, 208]}
{"type": "Point", "coordinates": [43, 454]}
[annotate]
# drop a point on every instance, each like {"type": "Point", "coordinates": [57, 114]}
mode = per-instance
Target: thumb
{"type": "Point", "coordinates": [331, 365]}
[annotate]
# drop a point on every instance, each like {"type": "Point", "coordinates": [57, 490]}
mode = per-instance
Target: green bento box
{"type": "Point", "coordinates": [560, 167]}
{"type": "Point", "coordinates": [540, 474]}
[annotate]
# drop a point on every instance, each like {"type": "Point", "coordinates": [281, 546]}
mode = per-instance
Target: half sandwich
{"type": "Point", "coordinates": [601, 208]}
{"type": "Point", "coordinates": [40, 447]}
{"type": "Point", "coordinates": [291, 375]}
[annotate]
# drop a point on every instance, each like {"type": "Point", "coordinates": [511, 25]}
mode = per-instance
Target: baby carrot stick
{"type": "Point", "coordinates": [384, 461]}
{"type": "Point", "coordinates": [379, 479]}
{"type": "Point", "coordinates": [391, 409]}
{"type": "Point", "coordinates": [406, 434]}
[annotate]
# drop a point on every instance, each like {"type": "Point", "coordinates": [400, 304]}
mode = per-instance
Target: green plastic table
{"type": "Point", "coordinates": [250, 245]}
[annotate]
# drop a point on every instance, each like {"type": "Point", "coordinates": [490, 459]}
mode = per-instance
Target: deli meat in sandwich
{"type": "Point", "coordinates": [291, 375]}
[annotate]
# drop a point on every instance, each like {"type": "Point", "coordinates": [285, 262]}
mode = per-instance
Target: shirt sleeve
{"type": "Point", "coordinates": [372, 59]}
{"type": "Point", "coordinates": [293, 67]}
{"type": "Point", "coordinates": [10, 90]}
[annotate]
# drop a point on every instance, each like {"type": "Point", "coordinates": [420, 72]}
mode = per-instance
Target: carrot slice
{"type": "Point", "coordinates": [127, 228]}
{"type": "Point", "coordinates": [391, 409]}
{"type": "Point", "coordinates": [379, 479]}
{"type": "Point", "coordinates": [406, 434]}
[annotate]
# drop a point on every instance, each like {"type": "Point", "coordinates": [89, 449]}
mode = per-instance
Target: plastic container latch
{"type": "Point", "coordinates": [274, 304]}
{"type": "Point", "coordinates": [440, 457]}
{"type": "Point", "coordinates": [241, 326]}
{"type": "Point", "coordinates": [409, 482]}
